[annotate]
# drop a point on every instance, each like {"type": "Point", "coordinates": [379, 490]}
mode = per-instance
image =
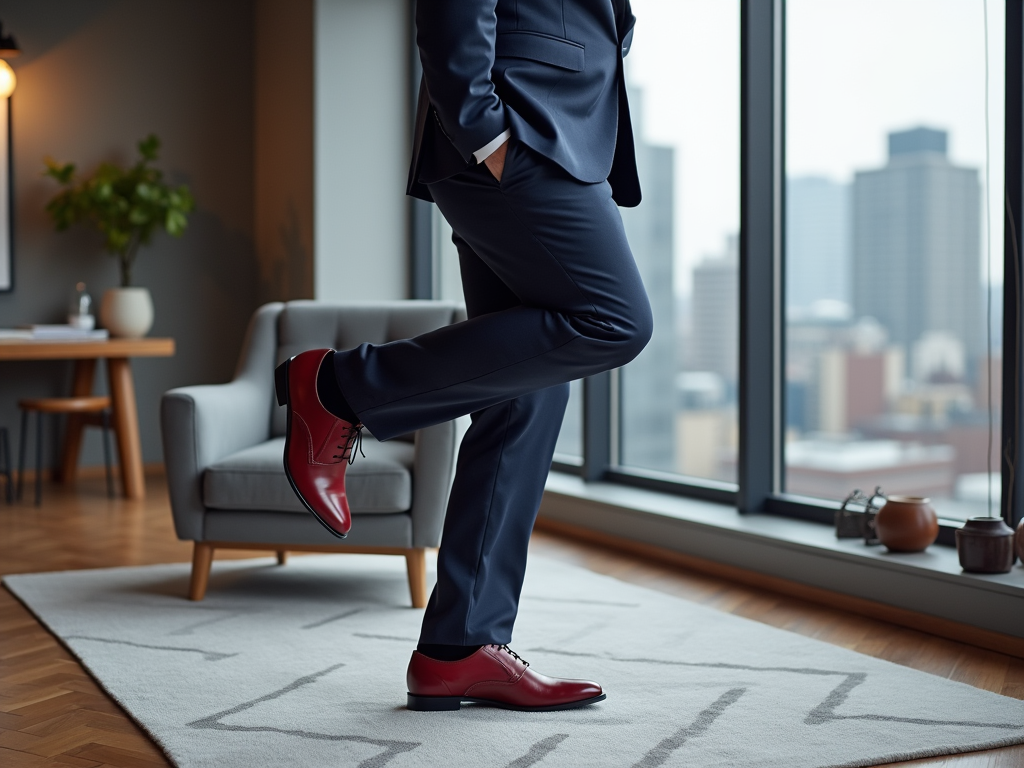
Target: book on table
{"type": "Point", "coordinates": [46, 332]}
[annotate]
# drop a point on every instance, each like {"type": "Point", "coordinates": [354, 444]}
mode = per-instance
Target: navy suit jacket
{"type": "Point", "coordinates": [549, 70]}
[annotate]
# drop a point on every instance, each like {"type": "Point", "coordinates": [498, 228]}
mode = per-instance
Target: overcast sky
{"type": "Point", "coordinates": [856, 69]}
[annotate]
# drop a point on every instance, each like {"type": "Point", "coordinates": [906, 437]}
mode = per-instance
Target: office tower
{"type": "Point", "coordinates": [917, 245]}
{"type": "Point", "coordinates": [648, 400]}
{"type": "Point", "coordinates": [716, 313]}
{"type": "Point", "coordinates": [817, 242]}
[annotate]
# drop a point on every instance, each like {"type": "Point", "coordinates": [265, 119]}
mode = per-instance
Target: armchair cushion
{"type": "Point", "coordinates": [253, 479]}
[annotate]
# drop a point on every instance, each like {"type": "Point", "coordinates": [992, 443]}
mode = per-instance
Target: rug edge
{"type": "Point", "coordinates": [88, 670]}
{"type": "Point", "coordinates": [901, 757]}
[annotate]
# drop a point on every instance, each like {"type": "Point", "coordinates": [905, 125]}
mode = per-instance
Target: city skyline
{"type": "Point", "coordinates": [885, 364]}
{"type": "Point", "coordinates": [840, 103]}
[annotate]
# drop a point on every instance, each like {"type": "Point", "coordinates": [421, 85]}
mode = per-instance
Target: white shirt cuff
{"type": "Point", "coordinates": [488, 149]}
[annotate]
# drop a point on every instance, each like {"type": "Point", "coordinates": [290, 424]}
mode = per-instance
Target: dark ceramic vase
{"type": "Point", "coordinates": [906, 524]}
{"type": "Point", "coordinates": [985, 545]}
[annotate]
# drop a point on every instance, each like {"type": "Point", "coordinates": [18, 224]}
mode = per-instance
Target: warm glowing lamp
{"type": "Point", "coordinates": [7, 79]}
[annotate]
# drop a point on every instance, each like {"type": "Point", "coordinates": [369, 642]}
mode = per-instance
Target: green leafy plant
{"type": "Point", "coordinates": [126, 205]}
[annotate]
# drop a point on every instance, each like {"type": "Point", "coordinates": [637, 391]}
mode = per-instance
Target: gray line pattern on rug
{"type": "Point", "coordinates": [539, 751]}
{"type": "Point", "coordinates": [331, 619]}
{"type": "Point", "coordinates": [391, 747]}
{"type": "Point", "coordinates": [825, 711]}
{"type": "Point", "coordinates": [819, 715]}
{"type": "Point", "coordinates": [664, 749]}
{"type": "Point", "coordinates": [207, 655]}
{"type": "Point", "coordinates": [367, 636]}
{"type": "Point", "coordinates": [578, 634]}
{"type": "Point", "coordinates": [580, 601]}
{"type": "Point", "coordinates": [189, 629]}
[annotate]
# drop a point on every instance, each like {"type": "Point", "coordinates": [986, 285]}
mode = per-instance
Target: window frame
{"type": "Point", "coordinates": [761, 389]}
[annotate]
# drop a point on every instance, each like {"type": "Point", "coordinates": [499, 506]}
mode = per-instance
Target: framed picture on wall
{"type": "Point", "coordinates": [6, 200]}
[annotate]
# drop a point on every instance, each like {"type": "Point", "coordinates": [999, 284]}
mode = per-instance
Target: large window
{"type": "Point", "coordinates": [822, 239]}
{"type": "Point", "coordinates": [894, 247]}
{"type": "Point", "coordinates": [677, 400]}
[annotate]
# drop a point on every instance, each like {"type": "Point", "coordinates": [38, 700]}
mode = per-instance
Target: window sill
{"type": "Point", "coordinates": [807, 553]}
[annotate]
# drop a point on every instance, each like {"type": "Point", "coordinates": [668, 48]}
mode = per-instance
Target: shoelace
{"type": "Point", "coordinates": [353, 442]}
{"type": "Point", "coordinates": [514, 655]}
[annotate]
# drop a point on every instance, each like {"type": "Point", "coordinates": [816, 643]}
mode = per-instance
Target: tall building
{"type": "Point", "coordinates": [817, 242]}
{"type": "Point", "coordinates": [917, 245]}
{"type": "Point", "coordinates": [648, 399]}
{"type": "Point", "coordinates": [715, 337]}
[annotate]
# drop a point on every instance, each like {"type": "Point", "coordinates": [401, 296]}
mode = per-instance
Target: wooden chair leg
{"type": "Point", "coordinates": [39, 458]}
{"type": "Point", "coordinates": [105, 422]}
{"type": "Point", "coordinates": [5, 449]}
{"type": "Point", "coordinates": [21, 452]}
{"type": "Point", "coordinates": [202, 559]}
{"type": "Point", "coordinates": [282, 556]}
{"type": "Point", "coordinates": [416, 564]}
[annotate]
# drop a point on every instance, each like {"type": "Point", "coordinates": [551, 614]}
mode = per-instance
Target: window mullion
{"type": "Point", "coordinates": [760, 169]}
{"type": "Point", "coordinates": [597, 428]}
{"type": "Point", "coordinates": [1012, 490]}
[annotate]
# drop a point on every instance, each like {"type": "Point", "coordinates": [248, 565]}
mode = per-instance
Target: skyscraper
{"type": "Point", "coordinates": [648, 383]}
{"type": "Point", "coordinates": [916, 243]}
{"type": "Point", "coordinates": [715, 337]}
{"type": "Point", "coordinates": [817, 242]}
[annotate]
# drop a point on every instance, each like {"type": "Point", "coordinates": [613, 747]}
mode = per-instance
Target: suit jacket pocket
{"type": "Point", "coordinates": [536, 46]}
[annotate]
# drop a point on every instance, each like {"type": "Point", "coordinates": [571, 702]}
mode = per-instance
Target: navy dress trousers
{"type": "Point", "coordinates": [551, 288]}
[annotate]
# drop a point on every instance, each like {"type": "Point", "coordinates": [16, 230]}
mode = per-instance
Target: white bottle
{"type": "Point", "coordinates": [79, 313]}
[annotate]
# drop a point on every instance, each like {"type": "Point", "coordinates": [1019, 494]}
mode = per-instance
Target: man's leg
{"type": "Point", "coordinates": [503, 463]}
{"type": "Point", "coordinates": [560, 247]}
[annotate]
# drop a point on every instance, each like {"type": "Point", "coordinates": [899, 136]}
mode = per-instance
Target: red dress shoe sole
{"type": "Point", "coordinates": [281, 386]}
{"type": "Point", "coordinates": [450, 703]}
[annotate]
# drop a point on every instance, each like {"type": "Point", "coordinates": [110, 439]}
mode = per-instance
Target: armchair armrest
{"type": "Point", "coordinates": [433, 470]}
{"type": "Point", "coordinates": [201, 425]}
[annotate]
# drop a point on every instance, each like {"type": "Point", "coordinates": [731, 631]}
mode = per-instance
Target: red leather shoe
{"type": "Point", "coordinates": [493, 675]}
{"type": "Point", "coordinates": [318, 446]}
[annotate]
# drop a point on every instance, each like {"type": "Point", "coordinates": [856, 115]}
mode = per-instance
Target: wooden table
{"type": "Point", "coordinates": [117, 353]}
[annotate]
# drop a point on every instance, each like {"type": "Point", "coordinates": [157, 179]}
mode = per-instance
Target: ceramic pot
{"type": "Point", "coordinates": [985, 545]}
{"type": "Point", "coordinates": [907, 524]}
{"type": "Point", "coordinates": [1019, 541]}
{"type": "Point", "coordinates": [127, 312]}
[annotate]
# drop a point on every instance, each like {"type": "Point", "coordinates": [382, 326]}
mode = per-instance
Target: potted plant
{"type": "Point", "coordinates": [126, 205]}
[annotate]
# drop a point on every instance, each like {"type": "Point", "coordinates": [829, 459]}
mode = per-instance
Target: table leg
{"type": "Point", "coordinates": [126, 425]}
{"type": "Point", "coordinates": [85, 371]}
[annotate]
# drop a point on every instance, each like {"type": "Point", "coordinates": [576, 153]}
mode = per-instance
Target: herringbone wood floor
{"type": "Point", "coordinates": [53, 714]}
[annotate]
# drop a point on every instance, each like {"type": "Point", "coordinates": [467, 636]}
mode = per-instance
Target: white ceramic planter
{"type": "Point", "coordinates": [127, 312]}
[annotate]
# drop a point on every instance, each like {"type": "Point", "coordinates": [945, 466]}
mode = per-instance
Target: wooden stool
{"type": "Point", "coordinates": [5, 465]}
{"type": "Point", "coordinates": [99, 406]}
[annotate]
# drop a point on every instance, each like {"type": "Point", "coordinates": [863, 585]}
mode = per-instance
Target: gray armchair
{"type": "Point", "coordinates": [224, 447]}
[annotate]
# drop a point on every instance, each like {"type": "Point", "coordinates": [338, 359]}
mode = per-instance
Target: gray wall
{"type": "Point", "coordinates": [94, 77]}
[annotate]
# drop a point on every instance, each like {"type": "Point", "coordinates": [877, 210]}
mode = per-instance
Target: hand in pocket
{"type": "Point", "coordinates": [495, 161]}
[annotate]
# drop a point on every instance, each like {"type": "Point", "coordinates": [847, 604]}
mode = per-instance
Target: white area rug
{"type": "Point", "coordinates": [304, 665]}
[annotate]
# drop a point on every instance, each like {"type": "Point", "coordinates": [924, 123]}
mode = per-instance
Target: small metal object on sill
{"type": "Point", "coordinates": [854, 523]}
